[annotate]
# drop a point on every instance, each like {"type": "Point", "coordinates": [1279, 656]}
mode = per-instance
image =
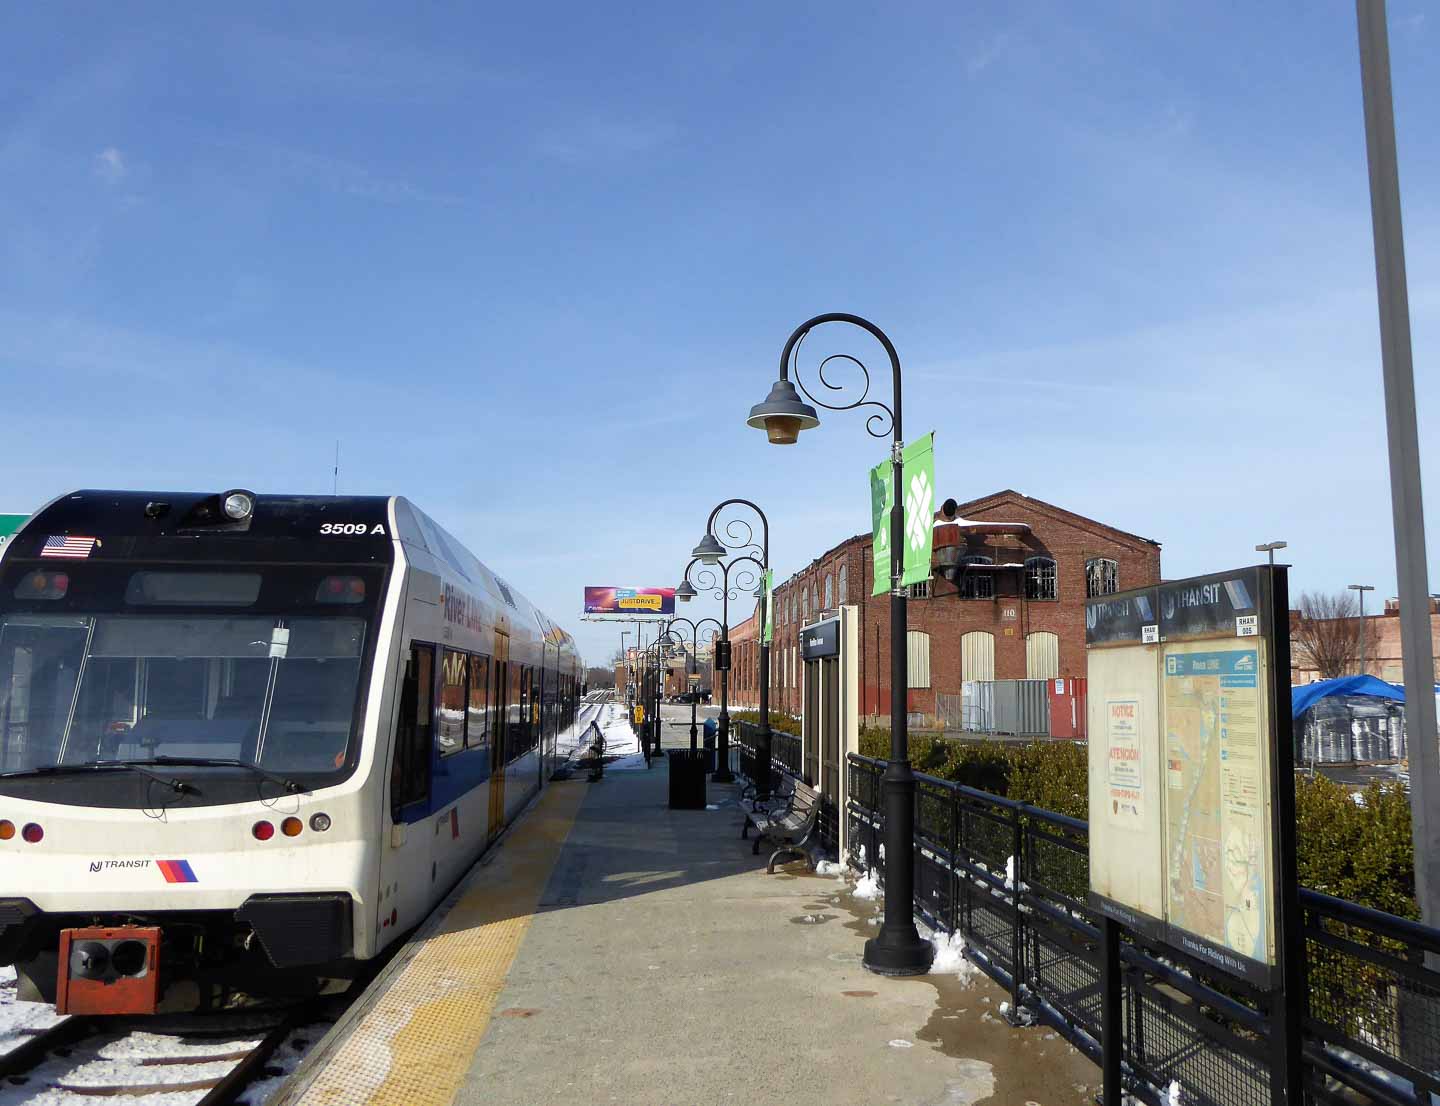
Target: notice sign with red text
{"type": "Point", "coordinates": [1124, 779]}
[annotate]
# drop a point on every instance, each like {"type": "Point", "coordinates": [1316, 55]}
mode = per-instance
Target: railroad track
{"type": "Point", "coordinates": [199, 1059]}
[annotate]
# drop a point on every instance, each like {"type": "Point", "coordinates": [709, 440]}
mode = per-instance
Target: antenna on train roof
{"type": "Point", "coordinates": [335, 488]}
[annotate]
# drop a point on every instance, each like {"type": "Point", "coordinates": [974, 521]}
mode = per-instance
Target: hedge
{"type": "Point", "coordinates": [1355, 848]}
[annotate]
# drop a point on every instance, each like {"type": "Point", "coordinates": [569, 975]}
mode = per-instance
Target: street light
{"type": "Point", "coordinates": [1270, 547]}
{"type": "Point", "coordinates": [721, 588]}
{"type": "Point", "coordinates": [694, 666]}
{"type": "Point", "coordinates": [739, 536]}
{"type": "Point", "coordinates": [897, 949]}
{"type": "Point", "coordinates": [1362, 589]}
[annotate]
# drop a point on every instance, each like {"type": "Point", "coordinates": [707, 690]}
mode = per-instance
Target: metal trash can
{"type": "Point", "coordinates": [711, 728]}
{"type": "Point", "coordinates": [687, 779]}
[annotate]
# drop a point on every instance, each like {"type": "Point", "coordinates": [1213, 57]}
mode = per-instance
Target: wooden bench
{"type": "Point", "coordinates": [788, 826]}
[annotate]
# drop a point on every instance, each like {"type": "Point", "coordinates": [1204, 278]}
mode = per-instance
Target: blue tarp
{"type": "Point", "coordinates": [1305, 696]}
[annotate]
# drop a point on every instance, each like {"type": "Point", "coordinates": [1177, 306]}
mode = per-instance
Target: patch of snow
{"type": "Point", "coordinates": [1173, 1093]}
{"type": "Point", "coordinates": [1358, 798]}
{"type": "Point", "coordinates": [830, 868]}
{"type": "Point", "coordinates": [950, 956]}
{"type": "Point", "coordinates": [868, 886]}
{"type": "Point", "coordinates": [900, 1043]}
{"type": "Point", "coordinates": [1017, 1014]}
{"type": "Point", "coordinates": [711, 806]}
{"type": "Point", "coordinates": [16, 1017]}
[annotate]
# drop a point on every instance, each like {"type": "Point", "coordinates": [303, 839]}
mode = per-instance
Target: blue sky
{"type": "Point", "coordinates": [532, 264]}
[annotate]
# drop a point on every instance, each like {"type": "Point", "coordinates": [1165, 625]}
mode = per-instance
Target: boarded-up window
{"type": "Point", "coordinates": [843, 591]}
{"type": "Point", "coordinates": [1042, 655]}
{"type": "Point", "coordinates": [977, 655]}
{"type": "Point", "coordinates": [829, 592]}
{"type": "Point", "coordinates": [917, 655]}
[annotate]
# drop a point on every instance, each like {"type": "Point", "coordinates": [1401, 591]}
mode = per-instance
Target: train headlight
{"type": "Point", "coordinates": [320, 822]}
{"type": "Point", "coordinates": [238, 505]}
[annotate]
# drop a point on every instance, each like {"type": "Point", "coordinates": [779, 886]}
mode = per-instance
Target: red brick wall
{"type": "Point", "coordinates": [1071, 540]}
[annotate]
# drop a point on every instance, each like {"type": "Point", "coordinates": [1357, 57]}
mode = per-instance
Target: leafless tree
{"type": "Point", "coordinates": [1326, 635]}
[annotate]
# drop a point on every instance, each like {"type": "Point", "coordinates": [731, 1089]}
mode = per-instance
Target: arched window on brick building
{"type": "Point", "coordinates": [829, 591]}
{"type": "Point", "coordinates": [977, 585]}
{"type": "Point", "coordinates": [1040, 578]}
{"type": "Point", "coordinates": [843, 590]}
{"type": "Point", "coordinates": [1102, 576]}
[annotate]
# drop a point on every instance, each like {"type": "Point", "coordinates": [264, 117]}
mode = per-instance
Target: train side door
{"type": "Point", "coordinates": [499, 748]}
{"type": "Point", "coordinates": [407, 864]}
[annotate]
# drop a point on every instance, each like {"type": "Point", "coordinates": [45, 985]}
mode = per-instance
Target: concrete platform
{"type": "Point", "coordinates": [614, 951]}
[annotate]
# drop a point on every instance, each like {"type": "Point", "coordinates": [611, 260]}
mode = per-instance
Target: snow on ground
{"type": "Point", "coordinates": [868, 886]}
{"type": "Point", "coordinates": [119, 1060]}
{"type": "Point", "coordinates": [17, 1016]}
{"type": "Point", "coordinates": [831, 868]}
{"type": "Point", "coordinates": [950, 956]}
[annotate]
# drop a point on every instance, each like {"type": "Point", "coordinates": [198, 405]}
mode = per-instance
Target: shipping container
{"type": "Point", "coordinates": [1067, 707]}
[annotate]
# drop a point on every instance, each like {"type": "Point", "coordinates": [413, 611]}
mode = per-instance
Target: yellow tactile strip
{"type": "Point", "coordinates": [414, 1047]}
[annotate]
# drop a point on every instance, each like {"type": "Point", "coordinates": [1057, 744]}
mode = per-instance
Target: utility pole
{"type": "Point", "coordinates": [1406, 505]}
{"type": "Point", "coordinates": [1362, 589]}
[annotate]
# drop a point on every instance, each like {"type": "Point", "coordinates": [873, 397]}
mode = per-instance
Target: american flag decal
{"type": "Point", "coordinates": [70, 546]}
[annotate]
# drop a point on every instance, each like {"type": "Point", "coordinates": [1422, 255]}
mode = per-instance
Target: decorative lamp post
{"type": "Point", "coordinates": [898, 948]}
{"type": "Point", "coordinates": [737, 535]}
{"type": "Point", "coordinates": [722, 589]}
{"type": "Point", "coordinates": [696, 640]}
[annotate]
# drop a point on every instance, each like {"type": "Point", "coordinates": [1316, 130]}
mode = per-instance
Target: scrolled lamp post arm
{"type": "Point", "coordinates": [897, 949]}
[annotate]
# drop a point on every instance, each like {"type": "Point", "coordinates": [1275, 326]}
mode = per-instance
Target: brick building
{"type": "Point", "coordinates": [1383, 655]}
{"type": "Point", "coordinates": [1005, 601]}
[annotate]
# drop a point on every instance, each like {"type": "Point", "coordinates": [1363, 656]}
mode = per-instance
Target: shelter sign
{"type": "Point", "coordinates": [1182, 780]}
{"type": "Point", "coordinates": [918, 478]}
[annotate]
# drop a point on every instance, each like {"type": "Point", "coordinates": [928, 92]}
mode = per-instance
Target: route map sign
{"type": "Point", "coordinates": [1181, 766]}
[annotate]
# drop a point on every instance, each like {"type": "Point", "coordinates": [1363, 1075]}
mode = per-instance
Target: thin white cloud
{"type": "Point", "coordinates": [603, 140]}
{"type": "Point", "coordinates": [110, 165]}
{"type": "Point", "coordinates": [988, 53]}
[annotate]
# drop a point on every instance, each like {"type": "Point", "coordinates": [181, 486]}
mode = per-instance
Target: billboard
{"type": "Point", "coordinates": [608, 600]}
{"type": "Point", "coordinates": [1182, 765]}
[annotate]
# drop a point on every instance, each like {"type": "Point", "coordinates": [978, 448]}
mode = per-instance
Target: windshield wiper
{"type": "Point", "coordinates": [178, 786]}
{"type": "Point", "coordinates": [231, 762]}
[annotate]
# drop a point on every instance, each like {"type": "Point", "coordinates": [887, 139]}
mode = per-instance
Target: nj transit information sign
{"type": "Point", "coordinates": [1180, 757]}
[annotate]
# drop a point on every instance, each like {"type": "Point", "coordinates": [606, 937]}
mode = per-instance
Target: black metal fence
{"type": "Point", "coordinates": [1012, 880]}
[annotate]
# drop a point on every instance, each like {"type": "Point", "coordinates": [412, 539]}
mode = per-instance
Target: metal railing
{"type": "Point", "coordinates": [1012, 879]}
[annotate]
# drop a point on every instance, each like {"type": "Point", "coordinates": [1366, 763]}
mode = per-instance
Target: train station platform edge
{"type": "Point", "coordinates": [613, 950]}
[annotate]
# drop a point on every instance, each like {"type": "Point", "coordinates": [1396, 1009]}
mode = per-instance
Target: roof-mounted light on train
{"type": "Point", "coordinates": [340, 589]}
{"type": "Point", "coordinates": [238, 505]}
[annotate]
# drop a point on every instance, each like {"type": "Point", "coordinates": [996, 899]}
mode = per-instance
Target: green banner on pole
{"type": "Point", "coordinates": [919, 533]}
{"type": "Point", "coordinates": [769, 613]}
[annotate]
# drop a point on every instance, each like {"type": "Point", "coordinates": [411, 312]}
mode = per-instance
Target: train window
{"type": "Point", "coordinates": [410, 768]}
{"type": "Point", "coordinates": [450, 732]}
{"type": "Point", "coordinates": [477, 723]}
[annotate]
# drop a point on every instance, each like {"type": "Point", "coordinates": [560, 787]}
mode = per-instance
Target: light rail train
{"type": "Point", "coordinates": [248, 741]}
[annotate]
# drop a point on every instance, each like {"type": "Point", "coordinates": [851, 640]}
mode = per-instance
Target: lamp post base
{"type": "Point", "coordinates": [898, 954]}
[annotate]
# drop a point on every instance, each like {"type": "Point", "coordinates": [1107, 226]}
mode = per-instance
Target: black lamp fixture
{"type": "Point", "coordinates": [709, 550]}
{"type": "Point", "coordinates": [685, 592]}
{"type": "Point", "coordinates": [783, 414]}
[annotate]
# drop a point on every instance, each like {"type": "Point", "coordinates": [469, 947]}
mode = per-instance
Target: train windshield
{"type": "Point", "coordinates": [280, 691]}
